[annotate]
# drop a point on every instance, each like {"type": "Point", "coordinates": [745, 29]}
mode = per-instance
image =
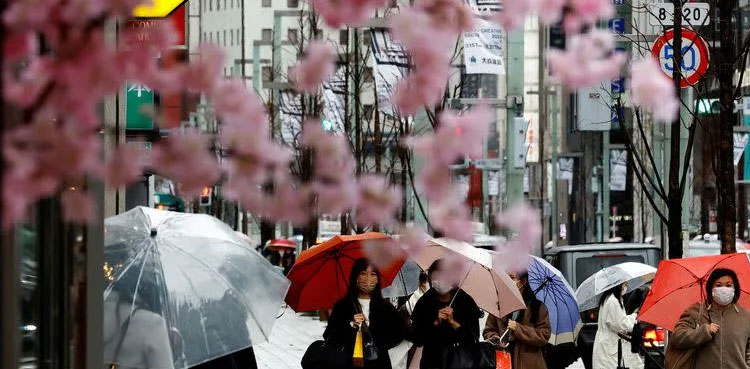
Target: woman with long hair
{"type": "Point", "coordinates": [364, 307]}
{"type": "Point", "coordinates": [528, 330]}
{"type": "Point", "coordinates": [613, 321]}
{"type": "Point", "coordinates": [714, 333]}
{"type": "Point", "coordinates": [443, 317]}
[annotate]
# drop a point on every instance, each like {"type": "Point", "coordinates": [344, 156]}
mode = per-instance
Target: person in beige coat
{"type": "Point", "coordinates": [714, 334]}
{"type": "Point", "coordinates": [529, 331]}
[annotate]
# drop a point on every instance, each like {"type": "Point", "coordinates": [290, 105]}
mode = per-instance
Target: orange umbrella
{"type": "Point", "coordinates": [280, 244]}
{"type": "Point", "coordinates": [680, 283]}
{"type": "Point", "coordinates": [320, 276]}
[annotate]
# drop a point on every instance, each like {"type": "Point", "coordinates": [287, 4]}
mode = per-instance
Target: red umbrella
{"type": "Point", "coordinates": [321, 274]}
{"type": "Point", "coordinates": [680, 283]}
{"type": "Point", "coordinates": [280, 244]}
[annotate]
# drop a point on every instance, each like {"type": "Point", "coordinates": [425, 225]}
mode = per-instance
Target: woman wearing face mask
{"type": "Point", "coordinates": [716, 330]}
{"type": "Point", "coordinates": [528, 330]}
{"type": "Point", "coordinates": [364, 305]}
{"type": "Point", "coordinates": [613, 320]}
{"type": "Point", "coordinates": [436, 324]}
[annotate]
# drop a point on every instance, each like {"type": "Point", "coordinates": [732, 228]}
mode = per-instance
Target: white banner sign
{"type": "Point", "coordinates": [493, 183]}
{"type": "Point", "coordinates": [618, 169]}
{"type": "Point", "coordinates": [532, 141]}
{"type": "Point", "coordinates": [740, 142]}
{"type": "Point", "coordinates": [483, 49]}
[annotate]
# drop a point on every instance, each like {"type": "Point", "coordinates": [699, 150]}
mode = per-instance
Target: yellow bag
{"type": "Point", "coordinates": [358, 357]}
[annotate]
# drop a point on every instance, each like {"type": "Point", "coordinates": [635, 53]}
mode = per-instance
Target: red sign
{"type": "Point", "coordinates": [694, 56]}
{"type": "Point", "coordinates": [177, 18]}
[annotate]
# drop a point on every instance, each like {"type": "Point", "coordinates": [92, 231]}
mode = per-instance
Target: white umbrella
{"type": "Point", "coordinates": [591, 290]}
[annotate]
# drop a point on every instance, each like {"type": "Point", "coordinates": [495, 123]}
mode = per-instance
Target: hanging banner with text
{"type": "Point", "coordinates": [484, 7]}
{"type": "Point", "coordinates": [618, 169]}
{"type": "Point", "coordinates": [483, 49]}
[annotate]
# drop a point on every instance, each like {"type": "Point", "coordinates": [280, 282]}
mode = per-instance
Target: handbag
{"type": "Point", "coordinates": [325, 355]}
{"type": "Point", "coordinates": [458, 356]}
{"type": "Point", "coordinates": [486, 356]}
{"type": "Point", "coordinates": [369, 350]}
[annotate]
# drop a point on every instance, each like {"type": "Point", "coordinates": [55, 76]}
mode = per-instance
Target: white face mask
{"type": "Point", "coordinates": [441, 287]}
{"type": "Point", "coordinates": [723, 295]}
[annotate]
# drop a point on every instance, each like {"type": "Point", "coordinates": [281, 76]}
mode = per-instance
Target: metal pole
{"type": "Point", "coordinates": [553, 152]}
{"type": "Point", "coordinates": [515, 54]}
{"type": "Point", "coordinates": [605, 186]}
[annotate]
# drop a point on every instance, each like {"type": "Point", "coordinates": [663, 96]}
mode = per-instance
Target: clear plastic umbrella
{"type": "Point", "coordinates": [406, 281]}
{"type": "Point", "coordinates": [182, 289]}
{"type": "Point", "coordinates": [591, 289]}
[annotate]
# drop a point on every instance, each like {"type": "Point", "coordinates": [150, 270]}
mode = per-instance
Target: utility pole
{"type": "Point", "coordinates": [674, 197]}
{"type": "Point", "coordinates": [724, 129]}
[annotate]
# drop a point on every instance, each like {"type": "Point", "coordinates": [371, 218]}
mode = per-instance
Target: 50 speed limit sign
{"type": "Point", "coordinates": [694, 56]}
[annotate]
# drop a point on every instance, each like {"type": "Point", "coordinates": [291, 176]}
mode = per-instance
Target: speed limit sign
{"type": "Point", "coordinates": [694, 56]}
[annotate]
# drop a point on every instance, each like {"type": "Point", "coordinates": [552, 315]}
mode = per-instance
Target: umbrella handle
{"type": "Point", "coordinates": [461, 284]}
{"type": "Point", "coordinates": [504, 334]}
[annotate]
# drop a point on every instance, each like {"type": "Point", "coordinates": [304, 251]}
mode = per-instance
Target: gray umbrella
{"type": "Point", "coordinates": [405, 282]}
{"type": "Point", "coordinates": [182, 289]}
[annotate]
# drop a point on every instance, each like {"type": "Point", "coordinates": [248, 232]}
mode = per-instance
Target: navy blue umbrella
{"type": "Point", "coordinates": [551, 288]}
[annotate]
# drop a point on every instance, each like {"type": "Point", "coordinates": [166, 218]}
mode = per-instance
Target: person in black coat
{"type": "Point", "coordinates": [364, 303]}
{"type": "Point", "coordinates": [436, 325]}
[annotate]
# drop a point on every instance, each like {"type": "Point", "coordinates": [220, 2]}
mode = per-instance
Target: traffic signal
{"type": "Point", "coordinates": [205, 197]}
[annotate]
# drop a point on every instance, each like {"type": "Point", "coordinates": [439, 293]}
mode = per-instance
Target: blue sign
{"type": "Point", "coordinates": [618, 2]}
{"type": "Point", "coordinates": [617, 25]}
{"type": "Point", "coordinates": [618, 86]}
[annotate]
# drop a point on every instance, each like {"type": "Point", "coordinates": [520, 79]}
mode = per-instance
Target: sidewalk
{"type": "Point", "coordinates": [292, 334]}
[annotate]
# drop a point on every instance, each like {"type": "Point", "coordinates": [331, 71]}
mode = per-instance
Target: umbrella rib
{"type": "Point", "coordinates": [140, 254]}
{"type": "Point", "coordinates": [226, 283]}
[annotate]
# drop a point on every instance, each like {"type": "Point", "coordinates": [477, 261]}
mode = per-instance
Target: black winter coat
{"type": "Point", "coordinates": [386, 326]}
{"type": "Point", "coordinates": [434, 338]}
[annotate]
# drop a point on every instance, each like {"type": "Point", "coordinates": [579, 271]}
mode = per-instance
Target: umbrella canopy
{"type": "Point", "coordinates": [282, 244]}
{"type": "Point", "coordinates": [320, 277]}
{"type": "Point", "coordinates": [406, 281]}
{"type": "Point", "coordinates": [680, 283]}
{"type": "Point", "coordinates": [551, 288]}
{"type": "Point", "coordinates": [186, 284]}
{"type": "Point", "coordinates": [591, 289]}
{"type": "Point", "coordinates": [487, 284]}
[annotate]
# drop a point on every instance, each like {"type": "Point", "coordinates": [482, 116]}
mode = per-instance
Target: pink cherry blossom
{"type": "Point", "coordinates": [378, 200]}
{"type": "Point", "coordinates": [590, 11]}
{"type": "Point", "coordinates": [238, 105]}
{"type": "Point", "coordinates": [412, 240]}
{"type": "Point", "coordinates": [18, 46]}
{"type": "Point", "coordinates": [588, 60]}
{"type": "Point", "coordinates": [336, 13]}
{"type": "Point", "coordinates": [451, 218]}
{"type": "Point", "coordinates": [652, 90]}
{"type": "Point", "coordinates": [206, 72]}
{"type": "Point", "coordinates": [383, 253]}
{"type": "Point", "coordinates": [185, 158]}
{"type": "Point", "coordinates": [333, 157]}
{"type": "Point", "coordinates": [290, 202]}
{"type": "Point", "coordinates": [78, 206]}
{"type": "Point", "coordinates": [80, 12]}
{"type": "Point", "coordinates": [514, 13]}
{"type": "Point", "coordinates": [525, 223]}
{"type": "Point", "coordinates": [335, 197]}
{"type": "Point", "coordinates": [29, 14]}
{"type": "Point", "coordinates": [435, 180]}
{"type": "Point", "coordinates": [453, 15]}
{"type": "Point", "coordinates": [125, 166]}
{"type": "Point", "coordinates": [317, 66]}
{"type": "Point", "coordinates": [24, 90]}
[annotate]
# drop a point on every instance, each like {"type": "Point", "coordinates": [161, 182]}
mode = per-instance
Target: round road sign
{"type": "Point", "coordinates": [694, 56]}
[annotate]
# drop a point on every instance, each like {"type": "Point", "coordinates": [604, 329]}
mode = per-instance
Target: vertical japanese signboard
{"type": "Point", "coordinates": [139, 99]}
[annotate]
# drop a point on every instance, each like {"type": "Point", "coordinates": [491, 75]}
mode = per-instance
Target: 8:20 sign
{"type": "Point", "coordinates": [693, 14]}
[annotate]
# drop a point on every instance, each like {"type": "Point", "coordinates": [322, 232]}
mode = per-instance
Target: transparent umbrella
{"type": "Point", "coordinates": [182, 289]}
{"type": "Point", "coordinates": [591, 289]}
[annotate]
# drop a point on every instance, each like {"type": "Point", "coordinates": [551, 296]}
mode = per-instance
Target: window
{"type": "Point", "coordinates": [394, 4]}
{"type": "Point", "coordinates": [266, 3]}
{"type": "Point", "coordinates": [225, 38]}
{"type": "Point", "coordinates": [292, 35]}
{"type": "Point", "coordinates": [210, 5]}
{"type": "Point", "coordinates": [366, 39]}
{"type": "Point", "coordinates": [266, 74]}
{"type": "Point", "coordinates": [292, 3]}
{"type": "Point", "coordinates": [218, 6]}
{"type": "Point", "coordinates": [203, 38]}
{"type": "Point", "coordinates": [231, 37]}
{"type": "Point", "coordinates": [266, 34]}
{"type": "Point", "coordinates": [225, 4]}
{"type": "Point", "coordinates": [344, 37]}
{"type": "Point", "coordinates": [231, 4]}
